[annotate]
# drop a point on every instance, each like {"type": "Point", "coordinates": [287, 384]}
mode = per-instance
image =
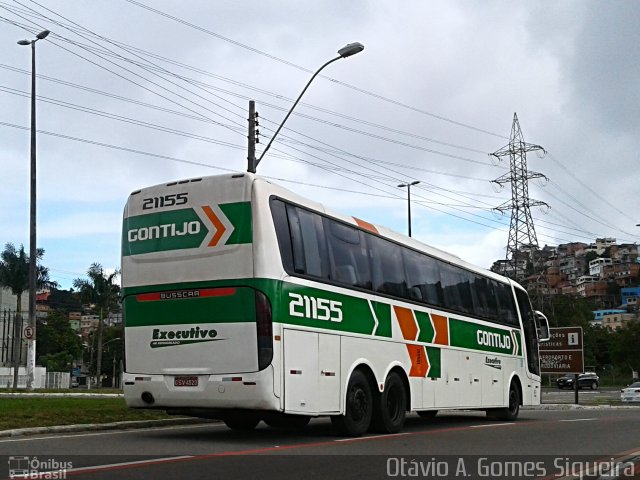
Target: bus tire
{"type": "Point", "coordinates": [287, 422]}
{"type": "Point", "coordinates": [358, 407]}
{"type": "Point", "coordinates": [390, 407]}
{"type": "Point", "coordinates": [241, 422]}
{"type": "Point", "coordinates": [511, 412]}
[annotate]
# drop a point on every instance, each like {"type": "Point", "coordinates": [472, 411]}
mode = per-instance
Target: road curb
{"type": "Point", "coordinates": [89, 427]}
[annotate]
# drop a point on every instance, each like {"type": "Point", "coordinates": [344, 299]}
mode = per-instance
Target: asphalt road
{"type": "Point", "coordinates": [456, 445]}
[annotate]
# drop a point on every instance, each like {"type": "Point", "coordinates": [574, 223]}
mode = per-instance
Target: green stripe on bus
{"type": "Point", "coordinates": [318, 311]}
{"type": "Point", "coordinates": [232, 308]}
{"type": "Point", "coordinates": [480, 337]}
{"type": "Point", "coordinates": [183, 229]}
{"type": "Point", "coordinates": [162, 231]}
{"type": "Point", "coordinates": [434, 355]}
{"type": "Point", "coordinates": [239, 214]}
{"type": "Point", "coordinates": [383, 314]}
{"type": "Point", "coordinates": [312, 307]}
{"type": "Point", "coordinates": [426, 328]}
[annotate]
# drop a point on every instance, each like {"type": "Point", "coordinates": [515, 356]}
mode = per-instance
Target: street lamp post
{"type": "Point", "coordinates": [31, 345]}
{"type": "Point", "coordinates": [409, 185]}
{"type": "Point", "coordinates": [344, 52]}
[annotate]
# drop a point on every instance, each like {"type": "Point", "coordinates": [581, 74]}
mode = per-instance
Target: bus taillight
{"type": "Point", "coordinates": [264, 326]}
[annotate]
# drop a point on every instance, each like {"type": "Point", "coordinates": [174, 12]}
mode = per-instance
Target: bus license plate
{"type": "Point", "coordinates": [185, 382]}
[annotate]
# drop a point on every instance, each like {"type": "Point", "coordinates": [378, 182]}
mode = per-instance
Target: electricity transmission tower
{"type": "Point", "coordinates": [522, 235]}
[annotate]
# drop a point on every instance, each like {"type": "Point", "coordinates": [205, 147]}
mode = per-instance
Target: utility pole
{"type": "Point", "coordinates": [522, 234]}
{"type": "Point", "coordinates": [252, 138]}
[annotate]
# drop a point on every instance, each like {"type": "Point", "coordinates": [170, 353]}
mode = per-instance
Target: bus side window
{"type": "Point", "coordinates": [313, 243]}
{"type": "Point", "coordinates": [456, 289]}
{"type": "Point", "coordinates": [530, 331]}
{"type": "Point", "coordinates": [307, 240]}
{"type": "Point", "coordinates": [388, 268]}
{"type": "Point", "coordinates": [506, 306]}
{"type": "Point", "coordinates": [348, 258]}
{"type": "Point", "coordinates": [281, 222]}
{"type": "Point", "coordinates": [299, 264]}
{"type": "Point", "coordinates": [423, 277]}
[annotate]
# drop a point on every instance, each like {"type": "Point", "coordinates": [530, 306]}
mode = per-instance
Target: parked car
{"type": "Point", "coordinates": [585, 380]}
{"type": "Point", "coordinates": [631, 393]}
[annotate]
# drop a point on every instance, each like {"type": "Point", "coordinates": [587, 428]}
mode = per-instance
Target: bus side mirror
{"type": "Point", "coordinates": [542, 326]}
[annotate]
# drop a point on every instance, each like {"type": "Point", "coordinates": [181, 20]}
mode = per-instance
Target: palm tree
{"type": "Point", "coordinates": [101, 291]}
{"type": "Point", "coordinates": [14, 275]}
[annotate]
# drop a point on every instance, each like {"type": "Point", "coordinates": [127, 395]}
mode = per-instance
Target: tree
{"type": "Point", "coordinates": [625, 349]}
{"type": "Point", "coordinates": [58, 344]}
{"type": "Point", "coordinates": [14, 274]}
{"type": "Point", "coordinates": [569, 310]}
{"type": "Point", "coordinates": [101, 291]}
{"type": "Point", "coordinates": [64, 300]}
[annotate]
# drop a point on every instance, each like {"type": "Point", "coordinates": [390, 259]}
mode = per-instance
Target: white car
{"type": "Point", "coordinates": [631, 393]}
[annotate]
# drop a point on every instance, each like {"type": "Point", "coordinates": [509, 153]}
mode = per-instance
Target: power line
{"type": "Point", "coordinates": [344, 84]}
{"type": "Point", "coordinates": [132, 81]}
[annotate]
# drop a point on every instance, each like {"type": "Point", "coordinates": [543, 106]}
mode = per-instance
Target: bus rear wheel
{"type": "Point", "coordinates": [390, 409]}
{"type": "Point", "coordinates": [511, 412]}
{"type": "Point", "coordinates": [241, 422]}
{"type": "Point", "coordinates": [358, 407]}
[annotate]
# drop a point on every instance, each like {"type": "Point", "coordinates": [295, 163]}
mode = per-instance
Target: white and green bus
{"type": "Point", "coordinates": [245, 302]}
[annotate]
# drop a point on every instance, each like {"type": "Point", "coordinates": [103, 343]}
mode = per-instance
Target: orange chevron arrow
{"type": "Point", "coordinates": [220, 228]}
{"type": "Point", "coordinates": [407, 322]}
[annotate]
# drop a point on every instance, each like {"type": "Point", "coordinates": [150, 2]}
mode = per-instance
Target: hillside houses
{"type": "Point", "coordinates": [599, 271]}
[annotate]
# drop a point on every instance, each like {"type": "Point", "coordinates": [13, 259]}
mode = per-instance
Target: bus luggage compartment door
{"type": "Point", "coordinates": [311, 372]}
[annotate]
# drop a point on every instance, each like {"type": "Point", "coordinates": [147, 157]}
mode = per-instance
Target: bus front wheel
{"type": "Point", "coordinates": [358, 407]}
{"type": "Point", "coordinates": [511, 412]}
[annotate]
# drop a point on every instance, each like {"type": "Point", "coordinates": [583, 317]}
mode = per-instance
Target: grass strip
{"type": "Point", "coordinates": [46, 412]}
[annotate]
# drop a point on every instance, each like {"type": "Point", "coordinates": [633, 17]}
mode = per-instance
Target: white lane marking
{"type": "Point", "coordinates": [370, 436]}
{"type": "Point", "coordinates": [579, 420]}
{"type": "Point", "coordinates": [492, 425]}
{"type": "Point", "coordinates": [129, 464]}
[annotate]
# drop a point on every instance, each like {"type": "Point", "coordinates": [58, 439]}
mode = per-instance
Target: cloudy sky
{"type": "Point", "coordinates": [133, 93]}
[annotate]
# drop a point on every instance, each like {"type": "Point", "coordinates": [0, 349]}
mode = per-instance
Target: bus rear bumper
{"type": "Point", "coordinates": [230, 391]}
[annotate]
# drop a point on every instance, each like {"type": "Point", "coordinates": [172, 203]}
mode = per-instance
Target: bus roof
{"type": "Point", "coordinates": [276, 189]}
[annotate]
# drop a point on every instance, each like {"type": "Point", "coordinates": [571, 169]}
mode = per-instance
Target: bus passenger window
{"type": "Point", "coordinates": [456, 289]}
{"type": "Point", "coordinates": [388, 268]}
{"type": "Point", "coordinates": [506, 304]}
{"type": "Point", "coordinates": [347, 255]}
{"type": "Point", "coordinates": [423, 277]}
{"type": "Point", "coordinates": [307, 239]}
{"type": "Point", "coordinates": [283, 233]}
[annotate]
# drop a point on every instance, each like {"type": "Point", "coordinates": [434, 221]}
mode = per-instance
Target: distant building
{"type": "Point", "coordinates": [614, 321]}
{"type": "Point", "coordinates": [598, 315]}
{"type": "Point", "coordinates": [88, 323]}
{"type": "Point", "coordinates": [629, 296]}
{"type": "Point", "coordinates": [596, 266]}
